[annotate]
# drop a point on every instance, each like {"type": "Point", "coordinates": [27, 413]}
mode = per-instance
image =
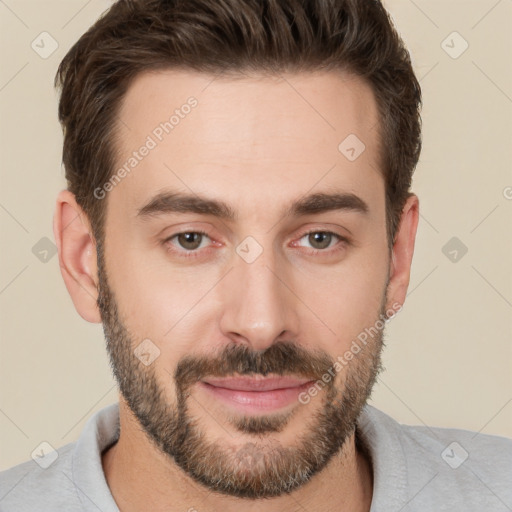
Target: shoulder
{"type": "Point", "coordinates": [70, 478]}
{"type": "Point", "coordinates": [475, 467]}
{"type": "Point", "coordinates": [32, 485]}
{"type": "Point", "coordinates": [441, 467]}
{"type": "Point", "coordinates": [484, 454]}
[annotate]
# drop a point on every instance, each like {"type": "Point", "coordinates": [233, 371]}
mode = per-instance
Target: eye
{"type": "Point", "coordinates": [320, 241]}
{"type": "Point", "coordinates": [187, 241]}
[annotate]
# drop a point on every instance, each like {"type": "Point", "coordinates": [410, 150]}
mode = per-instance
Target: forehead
{"type": "Point", "coordinates": [247, 136]}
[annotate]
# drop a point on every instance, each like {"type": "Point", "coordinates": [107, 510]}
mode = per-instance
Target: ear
{"type": "Point", "coordinates": [77, 255]}
{"type": "Point", "coordinates": [402, 252]}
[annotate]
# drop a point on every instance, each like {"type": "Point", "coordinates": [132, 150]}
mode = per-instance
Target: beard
{"type": "Point", "coordinates": [261, 467]}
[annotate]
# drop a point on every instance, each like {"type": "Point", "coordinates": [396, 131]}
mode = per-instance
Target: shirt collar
{"type": "Point", "coordinates": [100, 432]}
{"type": "Point", "coordinates": [377, 432]}
{"type": "Point", "coordinates": [379, 435]}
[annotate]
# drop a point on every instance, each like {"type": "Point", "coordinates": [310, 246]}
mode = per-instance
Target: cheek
{"type": "Point", "coordinates": [167, 305]}
{"type": "Point", "coordinates": [152, 294]}
{"type": "Point", "coordinates": [347, 299]}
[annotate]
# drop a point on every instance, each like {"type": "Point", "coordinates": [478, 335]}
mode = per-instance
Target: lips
{"type": "Point", "coordinates": [255, 394]}
{"type": "Point", "coordinates": [256, 384]}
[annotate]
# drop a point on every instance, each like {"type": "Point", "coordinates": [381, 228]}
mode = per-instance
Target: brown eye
{"type": "Point", "coordinates": [322, 242]}
{"type": "Point", "coordinates": [189, 244]}
{"type": "Point", "coordinates": [190, 240]}
{"type": "Point", "coordinates": [320, 239]}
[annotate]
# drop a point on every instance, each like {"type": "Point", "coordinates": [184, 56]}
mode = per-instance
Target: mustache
{"type": "Point", "coordinates": [281, 358]}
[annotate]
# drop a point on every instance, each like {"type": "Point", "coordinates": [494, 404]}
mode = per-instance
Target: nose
{"type": "Point", "coordinates": [258, 308]}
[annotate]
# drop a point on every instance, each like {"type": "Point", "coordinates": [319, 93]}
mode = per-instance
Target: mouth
{"type": "Point", "coordinates": [256, 394]}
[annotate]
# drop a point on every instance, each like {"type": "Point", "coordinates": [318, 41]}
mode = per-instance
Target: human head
{"type": "Point", "coordinates": [271, 312]}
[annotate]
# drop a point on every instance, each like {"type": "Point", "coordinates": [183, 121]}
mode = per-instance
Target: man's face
{"type": "Point", "coordinates": [270, 291]}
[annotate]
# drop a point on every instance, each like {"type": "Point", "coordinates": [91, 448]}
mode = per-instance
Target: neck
{"type": "Point", "coordinates": [141, 477]}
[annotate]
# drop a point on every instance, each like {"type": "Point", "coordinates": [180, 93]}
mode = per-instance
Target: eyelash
{"type": "Point", "coordinates": [196, 253]}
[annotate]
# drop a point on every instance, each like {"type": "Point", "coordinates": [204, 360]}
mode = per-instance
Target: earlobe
{"type": "Point", "coordinates": [402, 252]}
{"type": "Point", "coordinates": [77, 255]}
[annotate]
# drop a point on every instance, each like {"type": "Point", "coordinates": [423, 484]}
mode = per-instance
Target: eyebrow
{"type": "Point", "coordinates": [176, 202]}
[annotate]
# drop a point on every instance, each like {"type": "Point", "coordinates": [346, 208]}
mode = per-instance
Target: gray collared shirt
{"type": "Point", "coordinates": [415, 469]}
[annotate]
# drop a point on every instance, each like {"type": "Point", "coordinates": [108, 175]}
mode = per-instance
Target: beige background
{"type": "Point", "coordinates": [449, 354]}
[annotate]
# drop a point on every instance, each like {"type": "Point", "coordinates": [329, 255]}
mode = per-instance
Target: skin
{"type": "Point", "coordinates": [257, 144]}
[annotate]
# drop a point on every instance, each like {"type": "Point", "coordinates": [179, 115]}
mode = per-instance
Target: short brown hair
{"type": "Point", "coordinates": [230, 36]}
